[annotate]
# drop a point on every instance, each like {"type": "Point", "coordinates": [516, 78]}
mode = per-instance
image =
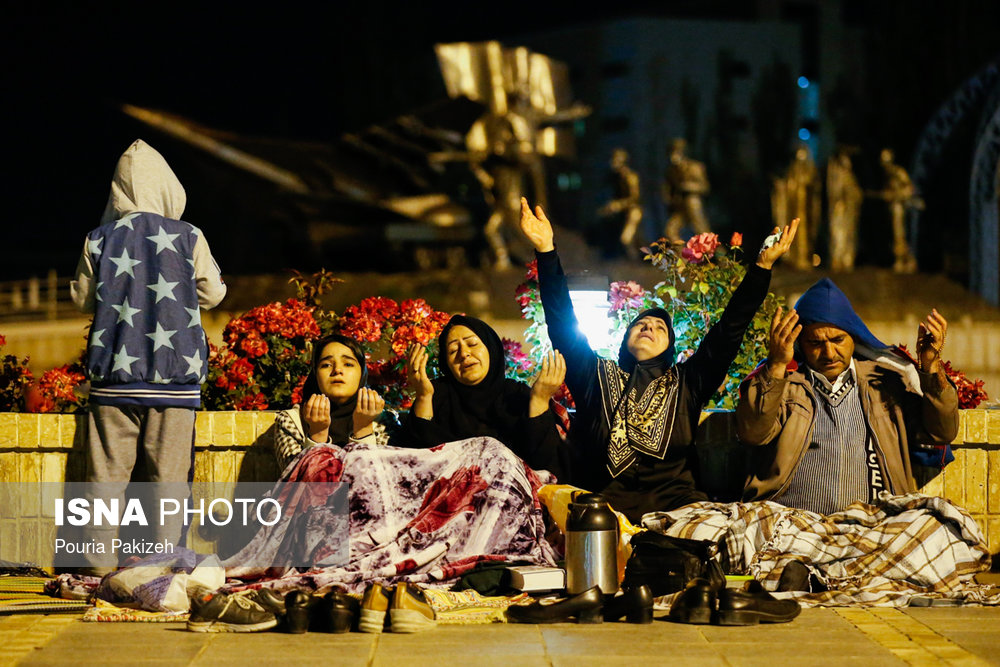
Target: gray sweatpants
{"type": "Point", "coordinates": [166, 436]}
{"type": "Point", "coordinates": [116, 433]}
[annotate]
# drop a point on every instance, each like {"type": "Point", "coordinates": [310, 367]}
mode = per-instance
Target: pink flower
{"type": "Point", "coordinates": [736, 240]}
{"type": "Point", "coordinates": [515, 355]}
{"type": "Point", "coordinates": [699, 246]}
{"type": "Point", "coordinates": [624, 294]}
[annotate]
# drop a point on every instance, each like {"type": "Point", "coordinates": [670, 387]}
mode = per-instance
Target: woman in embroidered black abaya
{"type": "Point", "coordinates": [633, 433]}
{"type": "Point", "coordinates": [473, 398]}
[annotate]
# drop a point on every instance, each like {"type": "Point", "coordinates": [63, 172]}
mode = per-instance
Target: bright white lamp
{"type": "Point", "coordinates": [589, 294]}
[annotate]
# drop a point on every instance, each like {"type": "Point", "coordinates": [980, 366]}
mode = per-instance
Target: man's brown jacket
{"type": "Point", "coordinates": [777, 417]}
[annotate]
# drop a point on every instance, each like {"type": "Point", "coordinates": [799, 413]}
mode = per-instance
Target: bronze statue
{"type": "Point", "coordinates": [843, 196]}
{"type": "Point", "coordinates": [900, 195]}
{"type": "Point", "coordinates": [685, 185]}
{"type": "Point", "coordinates": [797, 195]}
{"type": "Point", "coordinates": [527, 97]}
{"type": "Point", "coordinates": [625, 207]}
{"type": "Point", "coordinates": [500, 169]}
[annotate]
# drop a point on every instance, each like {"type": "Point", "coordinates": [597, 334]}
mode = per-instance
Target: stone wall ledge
{"type": "Point", "coordinates": [238, 446]}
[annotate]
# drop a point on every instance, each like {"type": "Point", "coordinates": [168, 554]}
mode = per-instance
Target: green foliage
{"type": "Point", "coordinates": [695, 291]}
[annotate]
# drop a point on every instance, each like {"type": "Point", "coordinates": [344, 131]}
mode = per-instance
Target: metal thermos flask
{"type": "Point", "coordinates": [591, 545]}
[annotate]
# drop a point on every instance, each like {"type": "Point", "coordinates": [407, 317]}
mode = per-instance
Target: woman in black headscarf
{"type": "Point", "coordinates": [337, 407]}
{"type": "Point", "coordinates": [473, 398]}
{"type": "Point", "coordinates": [635, 423]}
{"type": "Point", "coordinates": [413, 515]}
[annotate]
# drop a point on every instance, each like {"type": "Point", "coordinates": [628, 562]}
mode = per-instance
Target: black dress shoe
{"type": "Point", "coordinates": [585, 606]}
{"type": "Point", "coordinates": [635, 604]}
{"type": "Point", "coordinates": [342, 610]}
{"type": "Point", "coordinates": [695, 604]}
{"type": "Point", "coordinates": [753, 606]}
{"type": "Point", "coordinates": [297, 606]}
{"type": "Point", "coordinates": [335, 612]}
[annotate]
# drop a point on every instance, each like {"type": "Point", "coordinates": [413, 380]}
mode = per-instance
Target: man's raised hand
{"type": "Point", "coordinates": [785, 329]}
{"type": "Point", "coordinates": [930, 341]}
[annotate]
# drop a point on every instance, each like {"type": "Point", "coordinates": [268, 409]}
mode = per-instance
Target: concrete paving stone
{"type": "Point", "coordinates": [163, 650]}
{"type": "Point", "coordinates": [987, 651]}
{"type": "Point", "coordinates": [462, 651]}
{"type": "Point", "coordinates": [776, 632]}
{"type": "Point", "coordinates": [45, 659]}
{"type": "Point", "coordinates": [498, 640]}
{"type": "Point", "coordinates": [494, 632]}
{"type": "Point", "coordinates": [635, 647]}
{"type": "Point", "coordinates": [625, 632]}
{"type": "Point", "coordinates": [976, 639]}
{"type": "Point", "coordinates": [313, 639]}
{"type": "Point", "coordinates": [139, 643]}
{"type": "Point", "coordinates": [931, 615]}
{"type": "Point", "coordinates": [279, 652]}
{"type": "Point", "coordinates": [684, 655]}
{"type": "Point", "coordinates": [19, 621]}
{"type": "Point", "coordinates": [299, 657]}
{"type": "Point", "coordinates": [768, 654]}
{"type": "Point", "coordinates": [444, 658]}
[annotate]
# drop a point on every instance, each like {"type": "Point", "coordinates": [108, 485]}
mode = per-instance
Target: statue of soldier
{"type": "Point", "coordinates": [844, 205]}
{"type": "Point", "coordinates": [900, 195]}
{"type": "Point", "coordinates": [625, 209]}
{"type": "Point", "coordinates": [685, 185]}
{"type": "Point", "coordinates": [500, 169]}
{"type": "Point", "coordinates": [797, 195]}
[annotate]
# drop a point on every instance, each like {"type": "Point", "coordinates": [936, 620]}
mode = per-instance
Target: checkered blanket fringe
{"type": "Point", "coordinates": [898, 551]}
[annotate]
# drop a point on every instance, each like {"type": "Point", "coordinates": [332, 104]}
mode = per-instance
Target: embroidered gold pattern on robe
{"type": "Point", "coordinates": [642, 425]}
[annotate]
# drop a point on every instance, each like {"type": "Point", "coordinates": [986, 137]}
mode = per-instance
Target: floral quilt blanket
{"type": "Point", "coordinates": [423, 516]}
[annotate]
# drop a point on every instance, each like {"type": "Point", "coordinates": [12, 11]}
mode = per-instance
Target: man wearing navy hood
{"type": "Point", "coordinates": [835, 416]}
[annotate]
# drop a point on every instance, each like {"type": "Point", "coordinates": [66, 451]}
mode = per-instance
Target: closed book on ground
{"type": "Point", "coordinates": [530, 578]}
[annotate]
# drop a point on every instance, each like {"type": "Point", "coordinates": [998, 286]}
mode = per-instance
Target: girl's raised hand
{"type": "Point", "coordinates": [369, 407]}
{"type": "Point", "coordinates": [316, 416]}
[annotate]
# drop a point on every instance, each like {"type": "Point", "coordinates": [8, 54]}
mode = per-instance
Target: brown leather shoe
{"type": "Point", "coordinates": [374, 605]}
{"type": "Point", "coordinates": [410, 611]}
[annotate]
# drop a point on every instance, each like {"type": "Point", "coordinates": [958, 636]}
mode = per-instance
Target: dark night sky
{"type": "Point", "coordinates": [301, 72]}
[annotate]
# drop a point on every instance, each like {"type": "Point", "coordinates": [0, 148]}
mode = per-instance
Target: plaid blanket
{"type": "Point", "coordinates": [898, 551]}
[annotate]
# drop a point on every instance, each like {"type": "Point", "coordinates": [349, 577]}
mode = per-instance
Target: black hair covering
{"type": "Point", "coordinates": [490, 407]}
{"type": "Point", "coordinates": [641, 373]}
{"type": "Point", "coordinates": [341, 415]}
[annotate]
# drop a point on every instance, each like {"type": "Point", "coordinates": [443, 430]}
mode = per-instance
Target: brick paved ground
{"type": "Point", "coordinates": [878, 637]}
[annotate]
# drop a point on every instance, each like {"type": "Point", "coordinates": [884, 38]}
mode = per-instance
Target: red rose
{"type": "Point", "coordinates": [699, 246]}
{"type": "Point", "coordinates": [532, 273]}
